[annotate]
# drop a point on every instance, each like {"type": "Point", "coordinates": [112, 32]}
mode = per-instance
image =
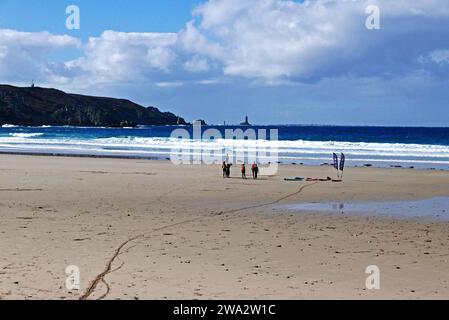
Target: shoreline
{"type": "Point", "coordinates": [165, 158]}
{"type": "Point", "coordinates": [64, 155]}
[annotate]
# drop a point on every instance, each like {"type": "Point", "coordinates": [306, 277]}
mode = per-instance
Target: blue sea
{"type": "Point", "coordinates": [310, 145]}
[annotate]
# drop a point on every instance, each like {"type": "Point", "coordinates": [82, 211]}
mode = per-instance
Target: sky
{"type": "Point", "coordinates": [276, 61]}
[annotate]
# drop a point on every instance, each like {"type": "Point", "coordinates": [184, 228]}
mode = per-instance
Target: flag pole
{"type": "Point", "coordinates": [342, 165]}
{"type": "Point", "coordinates": [336, 164]}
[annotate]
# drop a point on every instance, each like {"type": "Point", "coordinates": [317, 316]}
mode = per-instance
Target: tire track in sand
{"type": "Point", "coordinates": [108, 270]}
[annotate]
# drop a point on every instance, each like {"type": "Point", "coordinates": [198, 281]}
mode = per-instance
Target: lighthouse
{"type": "Point", "coordinates": [246, 123]}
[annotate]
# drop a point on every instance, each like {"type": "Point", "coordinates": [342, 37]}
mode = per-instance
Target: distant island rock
{"type": "Point", "coordinates": [34, 106]}
{"type": "Point", "coordinates": [200, 122]}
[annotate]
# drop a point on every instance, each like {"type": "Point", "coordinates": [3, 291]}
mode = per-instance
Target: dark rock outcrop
{"type": "Point", "coordinates": [33, 106]}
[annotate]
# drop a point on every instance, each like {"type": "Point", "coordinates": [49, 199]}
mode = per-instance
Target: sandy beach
{"type": "Point", "coordinates": [150, 230]}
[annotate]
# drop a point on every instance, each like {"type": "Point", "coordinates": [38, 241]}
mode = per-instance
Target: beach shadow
{"type": "Point", "coordinates": [248, 179]}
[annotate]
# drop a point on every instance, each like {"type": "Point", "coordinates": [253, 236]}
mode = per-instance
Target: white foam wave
{"type": "Point", "coordinates": [293, 151]}
{"type": "Point", "coordinates": [26, 135]}
{"type": "Point", "coordinates": [308, 147]}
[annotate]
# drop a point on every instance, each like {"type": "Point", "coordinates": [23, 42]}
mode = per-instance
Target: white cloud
{"type": "Point", "coordinates": [3, 52]}
{"type": "Point", "coordinates": [197, 64]}
{"type": "Point", "coordinates": [119, 56]}
{"type": "Point", "coordinates": [36, 40]}
{"type": "Point", "coordinates": [271, 41]}
{"type": "Point", "coordinates": [193, 41]}
{"type": "Point", "coordinates": [25, 55]}
{"type": "Point", "coordinates": [440, 56]}
{"type": "Point", "coordinates": [275, 39]}
{"type": "Point", "coordinates": [208, 81]}
{"type": "Point", "coordinates": [173, 84]}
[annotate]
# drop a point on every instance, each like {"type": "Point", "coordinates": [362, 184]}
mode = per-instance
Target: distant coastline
{"type": "Point", "coordinates": [35, 106]}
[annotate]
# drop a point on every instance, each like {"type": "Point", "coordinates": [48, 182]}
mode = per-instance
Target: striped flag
{"type": "Point", "coordinates": [342, 162]}
{"type": "Point", "coordinates": [335, 161]}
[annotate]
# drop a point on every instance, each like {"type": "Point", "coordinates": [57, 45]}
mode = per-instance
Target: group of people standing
{"type": "Point", "coordinates": [227, 170]}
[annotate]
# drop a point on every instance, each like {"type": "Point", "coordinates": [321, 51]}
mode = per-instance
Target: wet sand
{"type": "Point", "coordinates": [151, 230]}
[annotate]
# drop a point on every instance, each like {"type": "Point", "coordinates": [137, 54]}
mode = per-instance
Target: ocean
{"type": "Point", "coordinates": [421, 148]}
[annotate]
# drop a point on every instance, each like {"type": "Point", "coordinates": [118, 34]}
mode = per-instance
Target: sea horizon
{"type": "Point", "coordinates": [7, 125]}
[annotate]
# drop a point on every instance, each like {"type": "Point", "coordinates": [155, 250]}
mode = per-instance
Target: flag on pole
{"type": "Point", "coordinates": [342, 162]}
{"type": "Point", "coordinates": [336, 163]}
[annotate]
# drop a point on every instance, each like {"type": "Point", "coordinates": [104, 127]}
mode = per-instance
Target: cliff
{"type": "Point", "coordinates": [33, 106]}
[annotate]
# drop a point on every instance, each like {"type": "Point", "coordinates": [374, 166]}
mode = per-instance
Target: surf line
{"type": "Point", "coordinates": [108, 270]}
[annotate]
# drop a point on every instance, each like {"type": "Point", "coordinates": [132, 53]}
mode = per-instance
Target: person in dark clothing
{"type": "Point", "coordinates": [228, 170]}
{"type": "Point", "coordinates": [255, 170]}
{"type": "Point", "coordinates": [243, 171]}
{"type": "Point", "coordinates": [225, 169]}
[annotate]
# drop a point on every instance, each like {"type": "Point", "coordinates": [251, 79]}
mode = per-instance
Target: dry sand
{"type": "Point", "coordinates": [151, 230]}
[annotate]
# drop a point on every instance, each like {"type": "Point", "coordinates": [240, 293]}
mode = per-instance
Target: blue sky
{"type": "Point", "coordinates": [277, 61]}
{"type": "Point", "coordinates": [97, 15]}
